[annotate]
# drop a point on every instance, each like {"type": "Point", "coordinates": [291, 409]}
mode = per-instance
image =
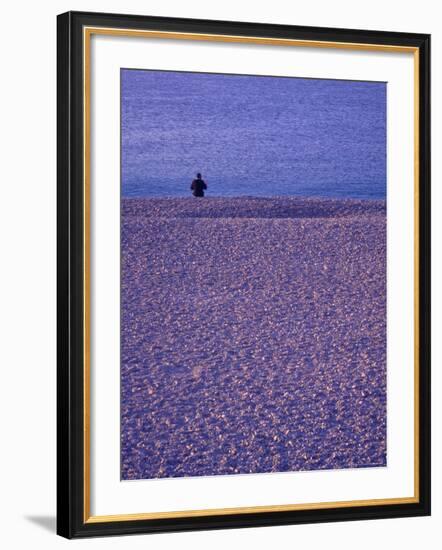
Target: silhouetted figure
{"type": "Point", "coordinates": [198, 186]}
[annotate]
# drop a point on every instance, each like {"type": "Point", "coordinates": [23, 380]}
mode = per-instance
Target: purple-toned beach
{"type": "Point", "coordinates": [253, 335]}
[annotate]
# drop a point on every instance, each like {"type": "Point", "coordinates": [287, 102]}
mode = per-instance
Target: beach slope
{"type": "Point", "coordinates": [253, 335]}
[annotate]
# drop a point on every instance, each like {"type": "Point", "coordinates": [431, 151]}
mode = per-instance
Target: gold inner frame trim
{"type": "Point", "coordinates": [87, 33]}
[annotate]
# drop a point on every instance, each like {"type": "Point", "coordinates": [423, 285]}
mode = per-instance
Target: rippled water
{"type": "Point", "coordinates": [251, 135]}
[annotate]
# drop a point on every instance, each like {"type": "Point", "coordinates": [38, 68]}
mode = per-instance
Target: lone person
{"type": "Point", "coordinates": [198, 186]}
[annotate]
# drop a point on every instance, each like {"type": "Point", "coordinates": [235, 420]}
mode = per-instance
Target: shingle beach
{"type": "Point", "coordinates": [253, 335]}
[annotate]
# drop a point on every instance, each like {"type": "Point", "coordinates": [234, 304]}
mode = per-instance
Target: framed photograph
{"type": "Point", "coordinates": [243, 274]}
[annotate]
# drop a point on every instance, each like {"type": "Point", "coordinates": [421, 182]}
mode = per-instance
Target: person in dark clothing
{"type": "Point", "coordinates": [198, 186]}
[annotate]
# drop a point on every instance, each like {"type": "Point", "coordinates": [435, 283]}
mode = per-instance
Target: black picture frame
{"type": "Point", "coordinates": [71, 393]}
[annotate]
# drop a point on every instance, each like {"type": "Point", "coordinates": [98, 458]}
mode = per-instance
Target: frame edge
{"type": "Point", "coordinates": [63, 296]}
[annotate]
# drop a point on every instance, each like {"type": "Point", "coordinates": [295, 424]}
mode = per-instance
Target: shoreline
{"type": "Point", "coordinates": [251, 207]}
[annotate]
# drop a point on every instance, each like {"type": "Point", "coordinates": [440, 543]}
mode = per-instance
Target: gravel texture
{"type": "Point", "coordinates": [253, 335]}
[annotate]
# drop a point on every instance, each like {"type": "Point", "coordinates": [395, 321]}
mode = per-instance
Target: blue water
{"type": "Point", "coordinates": [250, 135]}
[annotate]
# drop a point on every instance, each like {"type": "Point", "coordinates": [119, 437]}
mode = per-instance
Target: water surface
{"type": "Point", "coordinates": [252, 135]}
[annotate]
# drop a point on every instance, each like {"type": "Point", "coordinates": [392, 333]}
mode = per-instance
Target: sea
{"type": "Point", "coordinates": [252, 135]}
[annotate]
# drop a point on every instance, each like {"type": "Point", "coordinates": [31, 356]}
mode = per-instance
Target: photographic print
{"type": "Point", "coordinates": [253, 274]}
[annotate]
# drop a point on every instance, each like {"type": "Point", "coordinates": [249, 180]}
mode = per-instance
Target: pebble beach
{"type": "Point", "coordinates": [253, 335]}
